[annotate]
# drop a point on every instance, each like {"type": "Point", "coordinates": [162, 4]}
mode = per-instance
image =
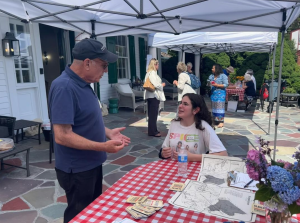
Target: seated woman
{"type": "Point", "coordinates": [192, 129]}
{"type": "Point", "coordinates": [248, 85]}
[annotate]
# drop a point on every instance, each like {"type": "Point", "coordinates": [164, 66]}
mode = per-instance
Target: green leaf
{"type": "Point", "coordinates": [274, 163]}
{"type": "Point", "coordinates": [294, 208]}
{"type": "Point", "coordinates": [260, 185]}
{"type": "Point", "coordinates": [264, 193]}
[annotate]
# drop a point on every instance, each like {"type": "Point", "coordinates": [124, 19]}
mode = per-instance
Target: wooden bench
{"type": "Point", "coordinates": [286, 98]}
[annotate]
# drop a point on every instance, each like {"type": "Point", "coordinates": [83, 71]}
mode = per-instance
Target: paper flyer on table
{"type": "Point", "coordinates": [241, 180]}
{"type": "Point", "coordinates": [229, 203]}
{"type": "Point", "coordinates": [214, 169]}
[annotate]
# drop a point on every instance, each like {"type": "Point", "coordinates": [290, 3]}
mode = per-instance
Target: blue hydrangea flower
{"type": "Point", "coordinates": [290, 195]}
{"type": "Point", "coordinates": [297, 176]}
{"type": "Point", "coordinates": [281, 179]}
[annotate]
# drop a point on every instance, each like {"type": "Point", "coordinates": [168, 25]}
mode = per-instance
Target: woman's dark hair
{"type": "Point", "coordinates": [218, 69]}
{"type": "Point", "coordinates": [203, 114]}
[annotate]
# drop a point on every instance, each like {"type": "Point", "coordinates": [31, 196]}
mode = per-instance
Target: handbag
{"type": "Point", "coordinates": [148, 85]}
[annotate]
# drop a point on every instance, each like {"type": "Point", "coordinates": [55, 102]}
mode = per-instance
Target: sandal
{"type": "Point", "coordinates": [219, 126]}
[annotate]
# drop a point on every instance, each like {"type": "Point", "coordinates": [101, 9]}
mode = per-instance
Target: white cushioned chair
{"type": "Point", "coordinates": [129, 97]}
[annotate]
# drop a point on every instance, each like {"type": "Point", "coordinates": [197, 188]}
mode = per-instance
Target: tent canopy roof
{"type": "Point", "coordinates": [116, 17]}
{"type": "Point", "coordinates": [215, 42]}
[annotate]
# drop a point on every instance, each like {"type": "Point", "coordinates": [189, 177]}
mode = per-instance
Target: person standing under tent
{"type": "Point", "coordinates": [189, 66]}
{"type": "Point", "coordinates": [250, 71]}
{"type": "Point", "coordinates": [218, 82]}
{"type": "Point", "coordinates": [184, 81]}
{"type": "Point", "coordinates": [248, 85]}
{"type": "Point", "coordinates": [154, 98]}
{"type": "Point", "coordinates": [80, 137]}
{"type": "Point", "coordinates": [227, 72]}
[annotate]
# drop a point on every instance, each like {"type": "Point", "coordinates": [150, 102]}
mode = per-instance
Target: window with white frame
{"type": "Point", "coordinates": [121, 50]}
{"type": "Point", "coordinates": [23, 63]}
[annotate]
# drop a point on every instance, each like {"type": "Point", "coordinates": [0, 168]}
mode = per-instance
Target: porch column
{"type": "Point", "coordinates": [152, 52]}
{"type": "Point", "coordinates": [197, 65]}
{"type": "Point", "coordinates": [159, 61]}
{"type": "Point", "coordinates": [179, 56]}
{"type": "Point", "coordinates": [197, 68]}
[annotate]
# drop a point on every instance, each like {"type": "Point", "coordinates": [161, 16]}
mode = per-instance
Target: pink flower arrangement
{"type": "Point", "coordinates": [256, 164]}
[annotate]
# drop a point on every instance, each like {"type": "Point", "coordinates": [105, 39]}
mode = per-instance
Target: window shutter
{"type": "Point", "coordinates": [72, 42]}
{"type": "Point", "coordinates": [142, 58]}
{"type": "Point", "coordinates": [112, 67]}
{"type": "Point", "coordinates": [132, 57]}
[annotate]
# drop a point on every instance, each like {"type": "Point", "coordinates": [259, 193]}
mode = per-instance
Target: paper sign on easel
{"type": "Point", "coordinates": [232, 106]}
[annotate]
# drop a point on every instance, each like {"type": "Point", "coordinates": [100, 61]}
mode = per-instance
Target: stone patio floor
{"type": "Point", "coordinates": [40, 199]}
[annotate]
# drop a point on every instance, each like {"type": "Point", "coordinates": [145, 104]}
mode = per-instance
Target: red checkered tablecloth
{"type": "Point", "coordinates": [152, 180]}
{"type": "Point", "coordinates": [238, 91]}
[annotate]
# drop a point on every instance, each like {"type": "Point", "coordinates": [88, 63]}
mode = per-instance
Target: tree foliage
{"type": "Point", "coordinates": [290, 68]}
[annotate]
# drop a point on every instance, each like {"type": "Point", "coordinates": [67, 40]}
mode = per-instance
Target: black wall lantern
{"type": "Point", "coordinates": [10, 45]}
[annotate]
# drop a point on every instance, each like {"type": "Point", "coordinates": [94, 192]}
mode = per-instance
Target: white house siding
{"type": "Point", "coordinates": [5, 105]}
{"type": "Point", "coordinates": [295, 36]}
{"type": "Point", "coordinates": [5, 108]}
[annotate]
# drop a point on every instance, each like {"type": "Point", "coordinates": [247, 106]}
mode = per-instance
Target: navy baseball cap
{"type": "Point", "coordinates": [92, 49]}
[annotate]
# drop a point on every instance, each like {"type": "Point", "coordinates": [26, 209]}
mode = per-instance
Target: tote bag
{"type": "Point", "coordinates": [148, 85]}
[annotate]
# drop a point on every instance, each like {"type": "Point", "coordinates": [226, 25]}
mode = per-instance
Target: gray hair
{"type": "Point", "coordinates": [247, 77]}
{"type": "Point", "coordinates": [250, 71]}
{"type": "Point", "coordinates": [189, 64]}
{"type": "Point", "coordinates": [181, 67]}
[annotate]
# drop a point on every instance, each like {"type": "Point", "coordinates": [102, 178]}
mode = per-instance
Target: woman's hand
{"type": "Point", "coordinates": [215, 85]}
{"type": "Point", "coordinates": [175, 155]}
{"type": "Point", "coordinates": [163, 84]}
{"type": "Point", "coordinates": [166, 152]}
{"type": "Point", "coordinates": [175, 82]}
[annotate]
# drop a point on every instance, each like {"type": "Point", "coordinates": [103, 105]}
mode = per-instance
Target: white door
{"type": "Point", "coordinates": [27, 103]}
{"type": "Point", "coordinates": [27, 79]}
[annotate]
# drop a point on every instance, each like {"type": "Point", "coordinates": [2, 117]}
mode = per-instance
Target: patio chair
{"type": "Point", "coordinates": [128, 97]}
{"type": "Point", "coordinates": [7, 125]}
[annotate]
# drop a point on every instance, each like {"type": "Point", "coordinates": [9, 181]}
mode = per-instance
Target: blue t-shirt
{"type": "Point", "coordinates": [225, 72]}
{"type": "Point", "coordinates": [73, 101]}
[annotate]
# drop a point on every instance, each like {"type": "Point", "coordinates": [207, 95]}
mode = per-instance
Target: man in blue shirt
{"type": "Point", "coordinates": [79, 132]}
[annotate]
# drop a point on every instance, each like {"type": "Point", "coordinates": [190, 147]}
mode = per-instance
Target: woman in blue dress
{"type": "Point", "coordinates": [218, 82]}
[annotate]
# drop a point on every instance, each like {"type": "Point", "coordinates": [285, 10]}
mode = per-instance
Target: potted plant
{"type": "Point", "coordinates": [279, 182]}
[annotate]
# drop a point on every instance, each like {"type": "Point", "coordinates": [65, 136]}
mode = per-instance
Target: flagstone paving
{"type": "Point", "coordinates": [40, 199]}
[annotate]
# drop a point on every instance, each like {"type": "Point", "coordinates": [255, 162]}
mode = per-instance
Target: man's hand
{"type": "Point", "coordinates": [113, 146]}
{"type": "Point", "coordinates": [115, 134]}
{"type": "Point", "coordinates": [166, 152]}
{"type": "Point", "coordinates": [163, 84]}
{"type": "Point", "coordinates": [175, 82]}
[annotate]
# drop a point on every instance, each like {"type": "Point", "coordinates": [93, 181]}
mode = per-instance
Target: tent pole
{"type": "Point", "coordinates": [283, 28]}
{"type": "Point", "coordinates": [272, 84]}
{"type": "Point", "coordinates": [93, 36]}
{"type": "Point", "coordinates": [264, 80]}
{"type": "Point", "coordinates": [141, 7]}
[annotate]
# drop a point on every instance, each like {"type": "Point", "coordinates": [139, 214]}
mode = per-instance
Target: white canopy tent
{"type": "Point", "coordinates": [116, 17]}
{"type": "Point", "coordinates": [215, 42]}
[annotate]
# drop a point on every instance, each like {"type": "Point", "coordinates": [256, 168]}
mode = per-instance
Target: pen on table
{"type": "Point", "coordinates": [248, 183]}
